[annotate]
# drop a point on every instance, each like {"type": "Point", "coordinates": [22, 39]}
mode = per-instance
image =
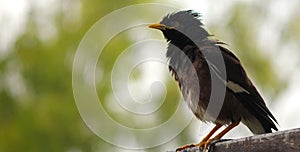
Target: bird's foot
{"type": "Point", "coordinates": [203, 145]}
{"type": "Point", "coordinates": [179, 149]}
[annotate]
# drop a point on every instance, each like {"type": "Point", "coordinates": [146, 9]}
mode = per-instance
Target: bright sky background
{"type": "Point", "coordinates": [12, 19]}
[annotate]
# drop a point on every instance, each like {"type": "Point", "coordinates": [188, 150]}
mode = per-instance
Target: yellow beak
{"type": "Point", "coordinates": [157, 26]}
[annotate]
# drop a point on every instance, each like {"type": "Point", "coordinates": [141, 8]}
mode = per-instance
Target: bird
{"type": "Point", "coordinates": [200, 65]}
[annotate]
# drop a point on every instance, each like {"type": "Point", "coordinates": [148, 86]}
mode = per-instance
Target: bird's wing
{"type": "Point", "coordinates": [240, 85]}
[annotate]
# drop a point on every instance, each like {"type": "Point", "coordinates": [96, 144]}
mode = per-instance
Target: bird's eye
{"type": "Point", "coordinates": [174, 24]}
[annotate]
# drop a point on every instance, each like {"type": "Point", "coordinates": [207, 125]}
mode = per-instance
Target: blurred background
{"type": "Point", "coordinates": [39, 38]}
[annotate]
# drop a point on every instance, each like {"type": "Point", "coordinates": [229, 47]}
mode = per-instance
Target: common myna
{"type": "Point", "coordinates": [195, 61]}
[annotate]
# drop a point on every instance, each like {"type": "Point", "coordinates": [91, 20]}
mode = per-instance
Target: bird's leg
{"type": "Point", "coordinates": [203, 141]}
{"type": "Point", "coordinates": [221, 134]}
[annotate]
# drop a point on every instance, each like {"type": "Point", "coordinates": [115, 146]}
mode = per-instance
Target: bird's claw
{"type": "Point", "coordinates": [185, 147]}
{"type": "Point", "coordinates": [208, 145]}
{"type": "Point", "coordinates": [202, 146]}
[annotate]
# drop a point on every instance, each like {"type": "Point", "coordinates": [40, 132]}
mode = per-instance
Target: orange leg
{"type": "Point", "coordinates": [221, 134]}
{"type": "Point", "coordinates": [218, 126]}
{"type": "Point", "coordinates": [206, 141]}
{"type": "Point", "coordinates": [203, 141]}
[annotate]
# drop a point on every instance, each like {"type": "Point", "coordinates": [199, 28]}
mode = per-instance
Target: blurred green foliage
{"type": "Point", "coordinates": [37, 108]}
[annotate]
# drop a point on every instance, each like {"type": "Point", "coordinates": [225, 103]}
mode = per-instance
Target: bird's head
{"type": "Point", "coordinates": [181, 28]}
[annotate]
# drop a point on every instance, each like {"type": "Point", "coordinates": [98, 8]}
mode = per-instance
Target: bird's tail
{"type": "Point", "coordinates": [259, 126]}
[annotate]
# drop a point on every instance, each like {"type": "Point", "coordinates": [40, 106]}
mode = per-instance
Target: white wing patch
{"type": "Point", "coordinates": [236, 88]}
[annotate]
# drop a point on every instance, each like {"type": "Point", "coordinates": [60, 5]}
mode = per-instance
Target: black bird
{"type": "Point", "coordinates": [202, 66]}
